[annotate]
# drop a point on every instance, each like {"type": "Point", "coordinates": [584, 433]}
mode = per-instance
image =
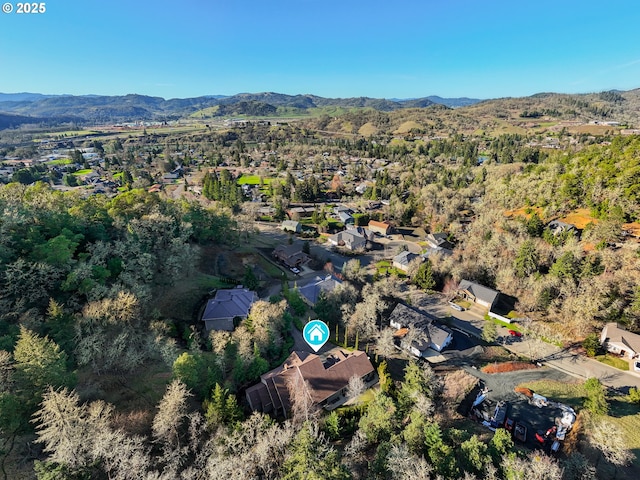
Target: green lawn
{"type": "Point", "coordinates": [60, 161]}
{"type": "Point", "coordinates": [84, 171]}
{"type": "Point", "coordinates": [253, 180]}
{"type": "Point", "coordinates": [613, 361]}
{"type": "Point", "coordinates": [569, 393]}
{"type": "Point", "coordinates": [384, 267]}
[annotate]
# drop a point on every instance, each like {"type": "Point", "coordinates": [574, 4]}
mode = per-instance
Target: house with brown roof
{"type": "Point", "coordinates": [325, 379]}
{"type": "Point", "coordinates": [291, 255]}
{"type": "Point", "coordinates": [381, 228]}
{"type": "Point", "coordinates": [619, 341]}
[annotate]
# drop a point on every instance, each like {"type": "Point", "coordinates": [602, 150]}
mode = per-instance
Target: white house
{"type": "Point", "coordinates": [619, 341]}
{"type": "Point", "coordinates": [430, 334]}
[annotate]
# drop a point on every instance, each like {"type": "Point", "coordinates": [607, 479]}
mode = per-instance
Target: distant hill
{"type": "Point", "coordinates": [22, 97]}
{"type": "Point", "coordinates": [544, 112]}
{"type": "Point", "coordinates": [454, 102]}
{"type": "Point", "coordinates": [102, 108]}
{"type": "Point", "coordinates": [505, 114]}
{"type": "Point", "coordinates": [8, 120]}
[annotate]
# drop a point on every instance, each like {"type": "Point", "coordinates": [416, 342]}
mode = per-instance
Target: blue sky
{"type": "Point", "coordinates": [333, 48]}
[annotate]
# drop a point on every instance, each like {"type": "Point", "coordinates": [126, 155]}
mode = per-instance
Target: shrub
{"type": "Point", "coordinates": [591, 344]}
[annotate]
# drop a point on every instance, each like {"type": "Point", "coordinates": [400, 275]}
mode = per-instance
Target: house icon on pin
{"type": "Point", "coordinates": [316, 334]}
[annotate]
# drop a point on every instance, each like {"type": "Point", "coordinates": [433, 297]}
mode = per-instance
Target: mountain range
{"type": "Point", "coordinates": [102, 108]}
{"type": "Point", "coordinates": [465, 113]}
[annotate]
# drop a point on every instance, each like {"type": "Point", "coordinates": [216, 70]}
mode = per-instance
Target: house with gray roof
{"type": "Point", "coordinates": [291, 226]}
{"type": "Point", "coordinates": [438, 240]}
{"type": "Point", "coordinates": [346, 218]}
{"type": "Point", "coordinates": [619, 341]}
{"type": "Point", "coordinates": [478, 294]}
{"type": "Point", "coordinates": [427, 331]}
{"type": "Point", "coordinates": [403, 259]}
{"type": "Point", "coordinates": [557, 227]}
{"type": "Point", "coordinates": [365, 232]}
{"type": "Point", "coordinates": [349, 239]}
{"type": "Point", "coordinates": [227, 305]}
{"type": "Point", "coordinates": [312, 291]}
{"type": "Point", "coordinates": [291, 255]}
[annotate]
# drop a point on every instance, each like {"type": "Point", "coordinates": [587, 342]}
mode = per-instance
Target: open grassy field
{"type": "Point", "coordinates": [407, 126]}
{"type": "Point", "coordinates": [580, 218]}
{"type": "Point", "coordinates": [525, 212]}
{"type": "Point", "coordinates": [253, 180]}
{"type": "Point", "coordinates": [60, 161]}
{"type": "Point", "coordinates": [368, 129]}
{"type": "Point", "coordinates": [70, 133]}
{"type": "Point", "coordinates": [84, 171]}
{"type": "Point", "coordinates": [179, 301]}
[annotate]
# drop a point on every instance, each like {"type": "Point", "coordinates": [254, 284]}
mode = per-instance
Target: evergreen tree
{"type": "Point", "coordinates": [423, 277]}
{"type": "Point", "coordinates": [40, 363]}
{"type": "Point", "coordinates": [526, 262]}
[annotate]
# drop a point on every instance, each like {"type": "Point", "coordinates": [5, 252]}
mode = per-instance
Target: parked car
{"type": "Point", "coordinates": [457, 307]}
{"type": "Point", "coordinates": [295, 270]}
{"type": "Point", "coordinates": [515, 333]}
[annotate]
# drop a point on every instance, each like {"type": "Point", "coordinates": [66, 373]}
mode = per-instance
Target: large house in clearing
{"type": "Point", "coordinates": [619, 341]}
{"type": "Point", "coordinates": [403, 259]}
{"type": "Point", "coordinates": [479, 294]}
{"type": "Point", "coordinates": [227, 305]}
{"type": "Point", "coordinates": [428, 332]}
{"type": "Point", "coordinates": [325, 380]}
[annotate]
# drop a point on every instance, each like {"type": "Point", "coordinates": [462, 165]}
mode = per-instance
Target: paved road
{"type": "Point", "coordinates": [568, 361]}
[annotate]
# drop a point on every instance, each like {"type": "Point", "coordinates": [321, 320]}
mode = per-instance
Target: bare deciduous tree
{"type": "Point", "coordinates": [608, 438]}
{"type": "Point", "coordinates": [403, 464]}
{"type": "Point", "coordinates": [65, 427]}
{"type": "Point", "coordinates": [385, 344]}
{"type": "Point", "coordinates": [355, 388]}
{"type": "Point", "coordinates": [303, 407]}
{"type": "Point", "coordinates": [172, 412]}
